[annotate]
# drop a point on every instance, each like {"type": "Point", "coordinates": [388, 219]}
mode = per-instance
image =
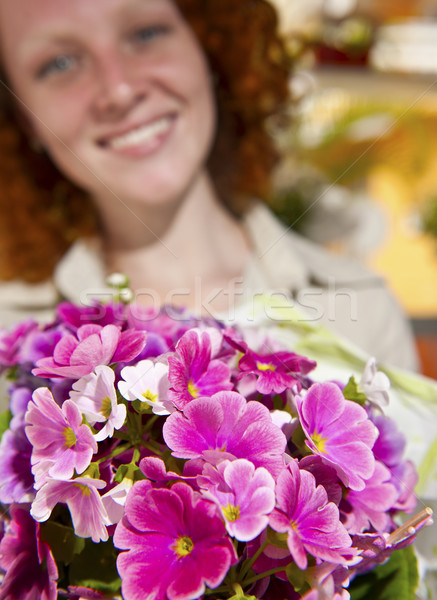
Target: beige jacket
{"type": "Point", "coordinates": [331, 290]}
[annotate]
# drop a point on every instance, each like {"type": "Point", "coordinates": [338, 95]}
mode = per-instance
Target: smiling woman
{"type": "Point", "coordinates": [128, 115]}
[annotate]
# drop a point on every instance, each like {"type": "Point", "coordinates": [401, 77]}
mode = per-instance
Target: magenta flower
{"type": "Point", "coordinates": [369, 507]}
{"type": "Point", "coordinates": [245, 496]}
{"type": "Point", "coordinates": [277, 371]}
{"type": "Point", "coordinates": [226, 426]}
{"type": "Point", "coordinates": [94, 345]}
{"type": "Point", "coordinates": [340, 431]}
{"type": "Point", "coordinates": [311, 522]}
{"type": "Point", "coordinates": [31, 570]}
{"type": "Point", "coordinates": [61, 444]}
{"type": "Point", "coordinates": [176, 542]}
{"type": "Point", "coordinates": [192, 373]}
{"type": "Point", "coordinates": [83, 500]}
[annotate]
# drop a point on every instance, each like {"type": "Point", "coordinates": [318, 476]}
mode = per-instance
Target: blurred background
{"type": "Point", "coordinates": [361, 170]}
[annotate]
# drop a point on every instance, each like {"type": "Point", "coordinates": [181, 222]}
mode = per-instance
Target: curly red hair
{"type": "Point", "coordinates": [42, 212]}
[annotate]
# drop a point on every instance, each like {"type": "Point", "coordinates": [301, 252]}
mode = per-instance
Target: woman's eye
{"type": "Point", "coordinates": [147, 34]}
{"type": "Point", "coordinates": [58, 65]}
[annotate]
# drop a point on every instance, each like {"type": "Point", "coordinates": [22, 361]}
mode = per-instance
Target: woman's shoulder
{"type": "Point", "coordinates": [299, 261]}
{"type": "Point", "coordinates": [332, 290]}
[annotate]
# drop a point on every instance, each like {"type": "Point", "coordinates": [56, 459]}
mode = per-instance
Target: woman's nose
{"type": "Point", "coordinates": [118, 89]}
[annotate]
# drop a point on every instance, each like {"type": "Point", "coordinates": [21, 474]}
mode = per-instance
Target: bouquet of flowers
{"type": "Point", "coordinates": [165, 457]}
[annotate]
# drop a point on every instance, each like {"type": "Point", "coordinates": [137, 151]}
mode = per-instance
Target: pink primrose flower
{"type": "Point", "coordinates": [77, 355]}
{"type": "Point", "coordinates": [311, 522]}
{"type": "Point", "coordinates": [244, 495]}
{"type": "Point", "coordinates": [96, 398]}
{"type": "Point", "coordinates": [192, 373]}
{"type": "Point", "coordinates": [83, 500]}
{"type": "Point", "coordinates": [61, 444]}
{"type": "Point", "coordinates": [277, 371]}
{"type": "Point", "coordinates": [30, 568]}
{"type": "Point", "coordinates": [176, 544]}
{"type": "Point", "coordinates": [369, 507]}
{"type": "Point", "coordinates": [339, 431]}
{"type": "Point", "coordinates": [154, 469]}
{"type": "Point", "coordinates": [226, 426]}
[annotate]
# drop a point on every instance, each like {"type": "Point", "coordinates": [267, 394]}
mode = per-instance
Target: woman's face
{"type": "Point", "coordinates": [117, 91]}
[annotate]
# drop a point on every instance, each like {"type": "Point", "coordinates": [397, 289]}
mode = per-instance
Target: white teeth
{"type": "Point", "coordinates": [141, 135]}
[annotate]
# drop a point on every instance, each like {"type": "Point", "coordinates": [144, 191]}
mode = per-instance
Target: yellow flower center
{"type": "Point", "coordinates": [106, 407]}
{"type": "Point", "coordinates": [232, 513]}
{"type": "Point", "coordinates": [265, 366]}
{"type": "Point", "coordinates": [192, 389]}
{"type": "Point", "coordinates": [70, 437]}
{"type": "Point", "coordinates": [318, 441]}
{"type": "Point", "coordinates": [150, 396]}
{"type": "Point", "coordinates": [86, 491]}
{"type": "Point", "coordinates": [184, 546]}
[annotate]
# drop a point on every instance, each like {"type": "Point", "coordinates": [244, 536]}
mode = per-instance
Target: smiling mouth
{"type": "Point", "coordinates": [141, 135]}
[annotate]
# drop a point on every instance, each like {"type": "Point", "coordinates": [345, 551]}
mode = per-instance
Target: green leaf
{"type": "Point", "coordinates": [128, 471]}
{"type": "Point", "coordinates": [394, 580]}
{"type": "Point", "coordinates": [5, 419]}
{"type": "Point", "coordinates": [352, 392]}
{"type": "Point", "coordinates": [95, 568]}
{"type": "Point", "coordinates": [296, 576]}
{"type": "Point", "coordinates": [62, 540]}
{"type": "Point", "coordinates": [277, 539]}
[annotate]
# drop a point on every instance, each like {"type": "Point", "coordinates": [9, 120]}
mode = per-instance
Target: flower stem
{"type": "Point", "coordinates": [248, 564]}
{"type": "Point", "coordinates": [262, 576]}
{"type": "Point", "coordinates": [118, 450]}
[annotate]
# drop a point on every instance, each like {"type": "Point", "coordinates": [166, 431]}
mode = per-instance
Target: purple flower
{"type": "Point", "coordinates": [83, 500]}
{"type": "Point", "coordinates": [324, 475]}
{"type": "Point", "coordinates": [61, 444]}
{"type": "Point", "coordinates": [311, 522]}
{"type": "Point", "coordinates": [245, 496]}
{"type": "Point", "coordinates": [18, 402]}
{"type": "Point", "coordinates": [11, 341]}
{"type": "Point", "coordinates": [40, 344]}
{"type": "Point", "coordinates": [76, 356]}
{"type": "Point", "coordinates": [369, 507]}
{"type": "Point", "coordinates": [405, 478]}
{"type": "Point", "coordinates": [275, 372]}
{"type": "Point", "coordinates": [390, 444]}
{"type": "Point", "coordinates": [176, 542]}
{"type": "Point", "coordinates": [192, 373]}
{"type": "Point", "coordinates": [30, 568]}
{"type": "Point", "coordinates": [16, 479]}
{"type": "Point", "coordinates": [340, 431]}
{"type": "Point", "coordinates": [226, 426]}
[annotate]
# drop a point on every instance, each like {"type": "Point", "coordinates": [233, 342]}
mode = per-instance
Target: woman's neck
{"type": "Point", "coordinates": [191, 254]}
